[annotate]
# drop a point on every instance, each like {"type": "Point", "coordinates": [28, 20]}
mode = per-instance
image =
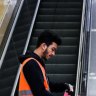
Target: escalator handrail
{"type": "Point", "coordinates": [86, 18]}
{"type": "Point", "coordinates": [26, 46]}
{"type": "Point", "coordinates": [88, 15]}
{"type": "Point", "coordinates": [10, 34]}
{"type": "Point", "coordinates": [31, 27]}
{"type": "Point", "coordinates": [81, 43]}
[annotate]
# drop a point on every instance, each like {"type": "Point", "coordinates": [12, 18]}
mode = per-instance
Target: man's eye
{"type": "Point", "coordinates": [53, 49]}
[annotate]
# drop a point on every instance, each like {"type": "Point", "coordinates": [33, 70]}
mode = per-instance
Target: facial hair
{"type": "Point", "coordinates": [44, 54]}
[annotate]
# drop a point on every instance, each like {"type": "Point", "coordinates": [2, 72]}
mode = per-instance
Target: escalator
{"type": "Point", "coordinates": [62, 17]}
{"type": "Point", "coordinates": [16, 46]}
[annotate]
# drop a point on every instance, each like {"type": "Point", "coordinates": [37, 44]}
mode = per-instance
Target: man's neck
{"type": "Point", "coordinates": [38, 52]}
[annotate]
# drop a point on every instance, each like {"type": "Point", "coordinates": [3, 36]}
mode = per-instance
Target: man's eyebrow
{"type": "Point", "coordinates": [54, 48]}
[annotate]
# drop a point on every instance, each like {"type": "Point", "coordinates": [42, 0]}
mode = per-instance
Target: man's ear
{"type": "Point", "coordinates": [44, 46]}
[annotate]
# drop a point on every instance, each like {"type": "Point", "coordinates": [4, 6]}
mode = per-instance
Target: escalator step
{"type": "Point", "coordinates": [67, 50]}
{"type": "Point", "coordinates": [10, 54]}
{"type": "Point", "coordinates": [62, 78]}
{"type": "Point", "coordinates": [63, 59]}
{"type": "Point", "coordinates": [65, 41]}
{"type": "Point", "coordinates": [61, 0]}
{"type": "Point", "coordinates": [24, 20]}
{"type": "Point", "coordinates": [20, 36]}
{"type": "Point", "coordinates": [55, 4]}
{"type": "Point", "coordinates": [62, 32]}
{"type": "Point", "coordinates": [58, 18]}
{"type": "Point", "coordinates": [12, 49]}
{"type": "Point", "coordinates": [9, 71]}
{"type": "Point", "coordinates": [20, 43]}
{"type": "Point", "coordinates": [57, 25]}
{"type": "Point", "coordinates": [21, 28]}
{"type": "Point", "coordinates": [10, 62]}
{"type": "Point", "coordinates": [6, 82]}
{"type": "Point", "coordinates": [61, 68]}
{"type": "Point", "coordinates": [60, 11]}
{"type": "Point", "coordinates": [6, 91]}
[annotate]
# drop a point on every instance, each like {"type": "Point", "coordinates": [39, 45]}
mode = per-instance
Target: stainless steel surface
{"type": "Point", "coordinates": [10, 34]}
{"type": "Point", "coordinates": [6, 10]}
{"type": "Point", "coordinates": [81, 43]}
{"type": "Point", "coordinates": [93, 15]}
{"type": "Point", "coordinates": [26, 46]}
{"type": "Point", "coordinates": [91, 84]}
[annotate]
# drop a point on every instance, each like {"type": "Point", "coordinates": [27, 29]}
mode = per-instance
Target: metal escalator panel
{"type": "Point", "coordinates": [16, 46]}
{"type": "Point", "coordinates": [64, 18]}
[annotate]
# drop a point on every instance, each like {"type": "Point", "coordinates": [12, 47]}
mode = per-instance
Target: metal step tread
{"type": "Point", "coordinates": [62, 78]}
{"type": "Point", "coordinates": [10, 62]}
{"type": "Point", "coordinates": [8, 81]}
{"type": "Point", "coordinates": [62, 32]}
{"type": "Point", "coordinates": [59, 18]}
{"type": "Point", "coordinates": [59, 11]}
{"type": "Point", "coordinates": [65, 41]}
{"type": "Point", "coordinates": [11, 54]}
{"type": "Point", "coordinates": [19, 43]}
{"type": "Point", "coordinates": [61, 68]}
{"type": "Point", "coordinates": [57, 25]}
{"type": "Point", "coordinates": [7, 72]}
{"type": "Point", "coordinates": [20, 36]}
{"type": "Point", "coordinates": [6, 91]}
{"type": "Point", "coordinates": [63, 59]}
{"type": "Point", "coordinates": [61, 0]}
{"type": "Point", "coordinates": [61, 4]}
{"type": "Point", "coordinates": [24, 27]}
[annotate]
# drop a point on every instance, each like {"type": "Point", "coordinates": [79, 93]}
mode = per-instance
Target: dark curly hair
{"type": "Point", "coordinates": [48, 37]}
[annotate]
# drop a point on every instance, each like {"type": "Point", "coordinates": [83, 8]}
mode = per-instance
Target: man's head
{"type": "Point", "coordinates": [47, 43]}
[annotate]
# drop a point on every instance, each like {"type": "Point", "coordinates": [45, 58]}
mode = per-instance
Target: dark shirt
{"type": "Point", "coordinates": [34, 77]}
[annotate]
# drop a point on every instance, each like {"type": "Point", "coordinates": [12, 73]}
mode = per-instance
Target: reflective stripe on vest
{"type": "Point", "coordinates": [25, 93]}
{"type": "Point", "coordinates": [24, 88]}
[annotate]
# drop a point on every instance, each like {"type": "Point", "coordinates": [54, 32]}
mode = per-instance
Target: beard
{"type": "Point", "coordinates": [44, 54]}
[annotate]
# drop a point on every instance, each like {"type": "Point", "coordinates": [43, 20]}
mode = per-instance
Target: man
{"type": "Point", "coordinates": [33, 80]}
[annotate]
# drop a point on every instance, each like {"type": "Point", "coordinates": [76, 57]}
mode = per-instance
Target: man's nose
{"type": "Point", "coordinates": [53, 53]}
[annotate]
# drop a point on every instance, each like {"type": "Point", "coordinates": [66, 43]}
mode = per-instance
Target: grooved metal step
{"type": "Point", "coordinates": [65, 41]}
{"type": "Point", "coordinates": [60, 11]}
{"type": "Point", "coordinates": [19, 43]}
{"type": "Point", "coordinates": [57, 25]}
{"type": "Point", "coordinates": [57, 78]}
{"type": "Point", "coordinates": [7, 82]}
{"type": "Point", "coordinates": [20, 36]}
{"type": "Point", "coordinates": [7, 72]}
{"type": "Point", "coordinates": [61, 0]}
{"type": "Point", "coordinates": [63, 59]}
{"type": "Point", "coordinates": [58, 18]}
{"type": "Point", "coordinates": [61, 68]}
{"type": "Point", "coordinates": [5, 91]}
{"type": "Point", "coordinates": [10, 62]}
{"type": "Point", "coordinates": [62, 32]}
{"type": "Point", "coordinates": [63, 4]}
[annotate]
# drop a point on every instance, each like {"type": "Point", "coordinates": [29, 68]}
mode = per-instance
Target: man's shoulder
{"type": "Point", "coordinates": [31, 62]}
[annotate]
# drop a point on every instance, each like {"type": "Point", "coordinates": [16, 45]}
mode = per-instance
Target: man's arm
{"type": "Point", "coordinates": [34, 77]}
{"type": "Point", "coordinates": [60, 87]}
{"type": "Point", "coordinates": [57, 87]}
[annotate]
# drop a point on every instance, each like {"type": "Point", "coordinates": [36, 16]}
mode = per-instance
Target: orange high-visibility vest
{"type": "Point", "coordinates": [24, 88]}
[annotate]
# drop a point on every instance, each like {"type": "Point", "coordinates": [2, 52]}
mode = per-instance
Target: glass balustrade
{"type": "Point", "coordinates": [6, 9]}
